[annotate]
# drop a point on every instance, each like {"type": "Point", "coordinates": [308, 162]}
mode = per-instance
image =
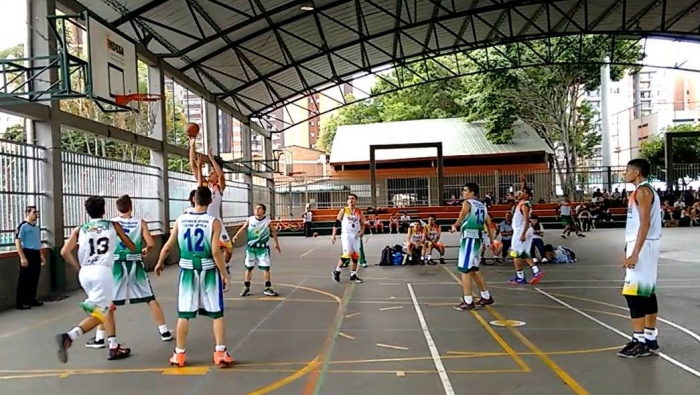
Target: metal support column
{"type": "Point", "coordinates": [604, 120]}
{"type": "Point", "coordinates": [246, 150]}
{"type": "Point", "coordinates": [48, 134]}
{"type": "Point", "coordinates": [269, 161]}
{"type": "Point", "coordinates": [159, 158]}
{"type": "Point", "coordinates": [440, 175]}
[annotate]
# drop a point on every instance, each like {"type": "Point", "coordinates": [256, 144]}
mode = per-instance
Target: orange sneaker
{"type": "Point", "coordinates": [178, 359]}
{"type": "Point", "coordinates": [221, 358]}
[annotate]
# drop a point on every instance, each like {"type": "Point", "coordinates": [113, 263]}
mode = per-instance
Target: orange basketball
{"type": "Point", "coordinates": [192, 129]}
{"type": "Point", "coordinates": [496, 246]}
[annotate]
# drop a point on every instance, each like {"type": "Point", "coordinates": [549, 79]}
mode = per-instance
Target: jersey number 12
{"type": "Point", "coordinates": [198, 236]}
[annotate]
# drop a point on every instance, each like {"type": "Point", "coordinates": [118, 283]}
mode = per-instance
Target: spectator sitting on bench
{"type": "Point", "coordinates": [415, 244]}
{"type": "Point", "coordinates": [394, 224]}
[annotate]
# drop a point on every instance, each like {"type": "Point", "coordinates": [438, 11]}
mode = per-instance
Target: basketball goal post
{"type": "Point", "coordinates": [101, 66]}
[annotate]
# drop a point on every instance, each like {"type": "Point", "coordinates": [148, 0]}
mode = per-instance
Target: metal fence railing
{"type": "Point", "coordinates": [86, 175]}
{"type": "Point", "coordinates": [20, 186]}
{"type": "Point", "coordinates": [234, 205]}
{"type": "Point", "coordinates": [421, 189]}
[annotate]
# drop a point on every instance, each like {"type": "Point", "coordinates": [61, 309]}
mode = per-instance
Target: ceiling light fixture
{"type": "Point", "coordinates": [307, 8]}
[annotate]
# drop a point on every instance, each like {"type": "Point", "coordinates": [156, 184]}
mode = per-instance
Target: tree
{"type": "Point", "coordinates": [686, 150]}
{"type": "Point", "coordinates": [549, 98]}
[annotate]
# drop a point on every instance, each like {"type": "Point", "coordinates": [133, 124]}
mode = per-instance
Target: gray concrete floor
{"type": "Point", "coordinates": [320, 337]}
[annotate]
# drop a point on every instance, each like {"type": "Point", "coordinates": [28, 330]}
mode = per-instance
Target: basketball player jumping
{"type": "Point", "coordinates": [130, 277]}
{"type": "Point", "coordinates": [257, 251]}
{"type": "Point", "coordinates": [352, 224]}
{"type": "Point", "coordinates": [522, 240]}
{"type": "Point", "coordinates": [216, 182]}
{"type": "Point", "coordinates": [470, 224]}
{"type": "Point", "coordinates": [203, 278]}
{"type": "Point", "coordinates": [642, 249]}
{"type": "Point", "coordinates": [96, 241]}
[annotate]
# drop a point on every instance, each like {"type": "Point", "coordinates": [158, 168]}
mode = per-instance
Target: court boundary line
{"type": "Point", "coordinates": [561, 373]}
{"type": "Point", "coordinates": [668, 358]}
{"type": "Point", "coordinates": [444, 378]}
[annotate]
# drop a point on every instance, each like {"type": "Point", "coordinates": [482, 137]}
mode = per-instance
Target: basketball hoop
{"type": "Point", "coordinates": [147, 112]}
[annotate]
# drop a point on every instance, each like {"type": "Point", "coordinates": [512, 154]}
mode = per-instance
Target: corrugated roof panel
{"type": "Point", "coordinates": [459, 138]}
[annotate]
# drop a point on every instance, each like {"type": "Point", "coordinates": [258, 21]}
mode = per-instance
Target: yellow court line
{"type": "Point", "coordinates": [392, 347]}
{"type": "Point", "coordinates": [394, 372]}
{"type": "Point", "coordinates": [505, 346]}
{"type": "Point", "coordinates": [573, 384]}
{"type": "Point", "coordinates": [565, 352]}
{"type": "Point", "coordinates": [281, 383]}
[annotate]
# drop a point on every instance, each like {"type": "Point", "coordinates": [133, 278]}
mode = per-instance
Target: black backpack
{"type": "Point", "coordinates": [387, 256]}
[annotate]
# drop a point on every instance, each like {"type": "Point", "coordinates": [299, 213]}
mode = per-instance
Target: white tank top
{"type": "Point", "coordinates": [132, 228]}
{"type": "Point", "coordinates": [432, 233]}
{"type": "Point", "coordinates": [633, 220]}
{"type": "Point", "coordinates": [350, 224]}
{"type": "Point", "coordinates": [565, 208]}
{"type": "Point", "coordinates": [518, 217]}
{"type": "Point", "coordinates": [258, 232]}
{"type": "Point", "coordinates": [214, 208]}
{"type": "Point", "coordinates": [97, 241]}
{"type": "Point", "coordinates": [417, 235]}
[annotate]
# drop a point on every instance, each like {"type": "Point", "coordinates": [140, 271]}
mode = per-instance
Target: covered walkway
{"type": "Point", "coordinates": [320, 337]}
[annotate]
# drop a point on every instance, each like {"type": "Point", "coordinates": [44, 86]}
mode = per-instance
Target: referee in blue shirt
{"type": "Point", "coordinates": [28, 244]}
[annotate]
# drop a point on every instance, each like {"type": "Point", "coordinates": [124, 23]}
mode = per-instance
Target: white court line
{"type": "Point", "coordinates": [446, 384]}
{"type": "Point", "coordinates": [612, 286]}
{"type": "Point", "coordinates": [308, 252]}
{"type": "Point", "coordinates": [619, 332]}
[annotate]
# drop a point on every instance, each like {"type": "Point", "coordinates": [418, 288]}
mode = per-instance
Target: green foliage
{"type": "Point", "coordinates": [685, 149]}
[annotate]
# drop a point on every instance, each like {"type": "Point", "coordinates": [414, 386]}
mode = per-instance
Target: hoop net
{"type": "Point", "coordinates": [144, 118]}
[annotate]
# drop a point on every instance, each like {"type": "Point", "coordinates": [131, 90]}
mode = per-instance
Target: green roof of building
{"type": "Point", "coordinates": [459, 138]}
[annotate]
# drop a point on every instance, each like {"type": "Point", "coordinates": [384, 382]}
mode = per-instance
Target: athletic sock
{"type": "Point", "coordinates": [485, 295]}
{"type": "Point", "coordinates": [112, 340]}
{"type": "Point", "coordinates": [75, 332]}
{"type": "Point", "coordinates": [650, 333]}
{"type": "Point", "coordinates": [639, 337]}
{"type": "Point", "coordinates": [337, 269]}
{"type": "Point", "coordinates": [179, 350]}
{"type": "Point", "coordinates": [247, 284]}
{"type": "Point", "coordinates": [162, 328]}
{"type": "Point", "coordinates": [535, 269]}
{"type": "Point", "coordinates": [220, 347]}
{"type": "Point", "coordinates": [468, 299]}
{"type": "Point", "coordinates": [352, 273]}
{"type": "Point", "coordinates": [99, 335]}
{"type": "Point", "coordinates": [520, 273]}
{"type": "Point", "coordinates": [268, 284]}
{"type": "Point", "coordinates": [428, 257]}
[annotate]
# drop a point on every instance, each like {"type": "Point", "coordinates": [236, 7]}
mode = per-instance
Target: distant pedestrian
{"type": "Point", "coordinates": [308, 218]}
{"type": "Point", "coordinates": [31, 259]}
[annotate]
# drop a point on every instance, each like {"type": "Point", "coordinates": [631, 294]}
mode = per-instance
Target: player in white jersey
{"type": "Point", "coordinates": [567, 219]}
{"type": "Point", "coordinates": [203, 279]}
{"type": "Point", "coordinates": [415, 243]}
{"type": "Point", "coordinates": [216, 182]}
{"type": "Point", "coordinates": [130, 277]}
{"type": "Point", "coordinates": [642, 249]}
{"type": "Point", "coordinates": [432, 239]}
{"type": "Point", "coordinates": [257, 251]}
{"type": "Point", "coordinates": [352, 227]}
{"type": "Point", "coordinates": [96, 241]}
{"type": "Point", "coordinates": [522, 240]}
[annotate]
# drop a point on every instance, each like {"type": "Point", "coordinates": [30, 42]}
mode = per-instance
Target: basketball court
{"type": "Point", "coordinates": [397, 331]}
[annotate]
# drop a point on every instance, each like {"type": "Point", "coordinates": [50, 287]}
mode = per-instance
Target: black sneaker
{"type": "Point", "coordinates": [64, 343]}
{"type": "Point", "coordinates": [464, 306]}
{"type": "Point", "coordinates": [245, 292]}
{"type": "Point", "coordinates": [166, 336]}
{"type": "Point", "coordinates": [485, 302]}
{"type": "Point", "coordinates": [118, 353]}
{"type": "Point", "coordinates": [442, 261]}
{"type": "Point", "coordinates": [336, 276]}
{"type": "Point", "coordinates": [94, 343]}
{"type": "Point", "coordinates": [356, 279]}
{"type": "Point", "coordinates": [270, 292]}
{"type": "Point", "coordinates": [634, 349]}
{"type": "Point", "coordinates": [653, 346]}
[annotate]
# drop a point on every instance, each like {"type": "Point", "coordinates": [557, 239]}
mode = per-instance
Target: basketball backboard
{"type": "Point", "coordinates": [112, 62]}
